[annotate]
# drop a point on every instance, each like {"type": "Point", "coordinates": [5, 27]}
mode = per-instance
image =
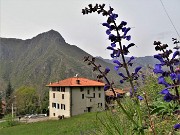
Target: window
{"type": "Point", "coordinates": [53, 88]}
{"type": "Point", "coordinates": [81, 89]}
{"type": "Point", "coordinates": [88, 91]}
{"type": "Point", "coordinates": [99, 104]}
{"type": "Point", "coordinates": [53, 95]}
{"type": "Point", "coordinates": [82, 96]}
{"type": "Point", "coordinates": [99, 95]}
{"type": "Point", "coordinates": [62, 89]}
{"type": "Point", "coordinates": [94, 95]}
{"type": "Point", "coordinates": [58, 88]}
{"type": "Point", "coordinates": [63, 106]}
{"type": "Point", "coordinates": [90, 100]}
{"type": "Point", "coordinates": [54, 114]}
{"type": "Point", "coordinates": [93, 88]}
{"type": "Point", "coordinates": [57, 106]}
{"type": "Point", "coordinates": [62, 96]}
{"type": "Point", "coordinates": [54, 105]}
{"type": "Point", "coordinates": [99, 88]}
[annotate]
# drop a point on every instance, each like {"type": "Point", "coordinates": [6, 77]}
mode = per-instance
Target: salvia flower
{"type": "Point", "coordinates": [159, 57]}
{"type": "Point", "coordinates": [168, 97]}
{"type": "Point", "coordinates": [165, 91]}
{"type": "Point", "coordinates": [140, 97]}
{"type": "Point", "coordinates": [161, 80]}
{"type": "Point", "coordinates": [177, 126]}
{"type": "Point", "coordinates": [158, 69]}
{"type": "Point", "coordinates": [106, 87]}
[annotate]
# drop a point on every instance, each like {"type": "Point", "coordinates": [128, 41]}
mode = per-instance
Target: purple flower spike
{"type": "Point", "coordinates": [137, 69]}
{"type": "Point", "coordinates": [140, 98]}
{"type": "Point", "coordinates": [165, 91]}
{"type": "Point", "coordinates": [177, 126]}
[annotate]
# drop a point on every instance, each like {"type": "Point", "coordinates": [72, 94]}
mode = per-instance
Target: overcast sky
{"type": "Point", "coordinates": [25, 19]}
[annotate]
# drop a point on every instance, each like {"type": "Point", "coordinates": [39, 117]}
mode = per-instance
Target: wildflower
{"type": "Point", "coordinates": [168, 97]}
{"type": "Point", "coordinates": [177, 126]}
{"type": "Point", "coordinates": [165, 91]}
{"type": "Point", "coordinates": [158, 69]}
{"type": "Point", "coordinates": [140, 97]}
{"type": "Point", "coordinates": [161, 80]}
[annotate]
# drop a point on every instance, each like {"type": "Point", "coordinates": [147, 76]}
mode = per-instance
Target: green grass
{"type": "Point", "coordinates": [76, 125]}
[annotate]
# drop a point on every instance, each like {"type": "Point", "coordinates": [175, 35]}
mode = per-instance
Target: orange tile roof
{"type": "Point", "coordinates": [117, 91]}
{"type": "Point", "coordinates": [73, 82]}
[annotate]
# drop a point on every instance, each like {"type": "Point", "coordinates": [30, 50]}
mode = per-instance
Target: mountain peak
{"type": "Point", "coordinates": [52, 34]}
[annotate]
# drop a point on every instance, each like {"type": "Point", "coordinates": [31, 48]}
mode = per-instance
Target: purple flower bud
{"type": "Point", "coordinates": [116, 68]}
{"type": "Point", "coordinates": [175, 54]}
{"type": "Point", "coordinates": [177, 126]}
{"type": "Point", "coordinates": [161, 80]}
{"type": "Point", "coordinates": [137, 69]}
{"type": "Point", "coordinates": [110, 48]}
{"type": "Point", "coordinates": [106, 24]}
{"type": "Point", "coordinates": [165, 91]}
{"type": "Point", "coordinates": [123, 29]}
{"type": "Point", "coordinates": [123, 23]}
{"type": "Point", "coordinates": [121, 81]}
{"type": "Point", "coordinates": [130, 45]}
{"type": "Point", "coordinates": [158, 69]}
{"type": "Point", "coordinates": [140, 97]}
{"type": "Point", "coordinates": [130, 59]}
{"type": "Point", "coordinates": [113, 44]}
{"type": "Point", "coordinates": [159, 57]}
{"type": "Point", "coordinates": [108, 32]}
{"type": "Point", "coordinates": [128, 38]}
{"type": "Point", "coordinates": [107, 70]}
{"type": "Point", "coordinates": [121, 74]}
{"type": "Point", "coordinates": [173, 76]}
{"type": "Point", "coordinates": [168, 97]}
{"type": "Point", "coordinates": [126, 31]}
{"type": "Point", "coordinates": [117, 62]}
{"type": "Point", "coordinates": [106, 87]}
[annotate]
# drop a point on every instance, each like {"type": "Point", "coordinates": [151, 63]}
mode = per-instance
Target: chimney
{"type": "Point", "coordinates": [78, 81]}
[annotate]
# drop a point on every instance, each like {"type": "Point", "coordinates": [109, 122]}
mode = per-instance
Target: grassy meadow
{"type": "Point", "coordinates": [81, 124]}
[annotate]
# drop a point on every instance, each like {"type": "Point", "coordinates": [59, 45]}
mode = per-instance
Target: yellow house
{"type": "Point", "coordinates": [75, 96]}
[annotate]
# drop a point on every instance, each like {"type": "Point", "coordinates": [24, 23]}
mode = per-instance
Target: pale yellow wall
{"type": "Point", "coordinates": [58, 100]}
{"type": "Point", "coordinates": [80, 105]}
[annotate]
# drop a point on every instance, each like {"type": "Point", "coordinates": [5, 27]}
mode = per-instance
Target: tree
{"type": "Point", "coordinates": [9, 91]}
{"type": "Point", "coordinates": [26, 100]}
{"type": "Point", "coordinates": [0, 104]}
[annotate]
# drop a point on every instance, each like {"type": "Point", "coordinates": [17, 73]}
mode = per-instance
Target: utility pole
{"type": "Point", "coordinates": [12, 110]}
